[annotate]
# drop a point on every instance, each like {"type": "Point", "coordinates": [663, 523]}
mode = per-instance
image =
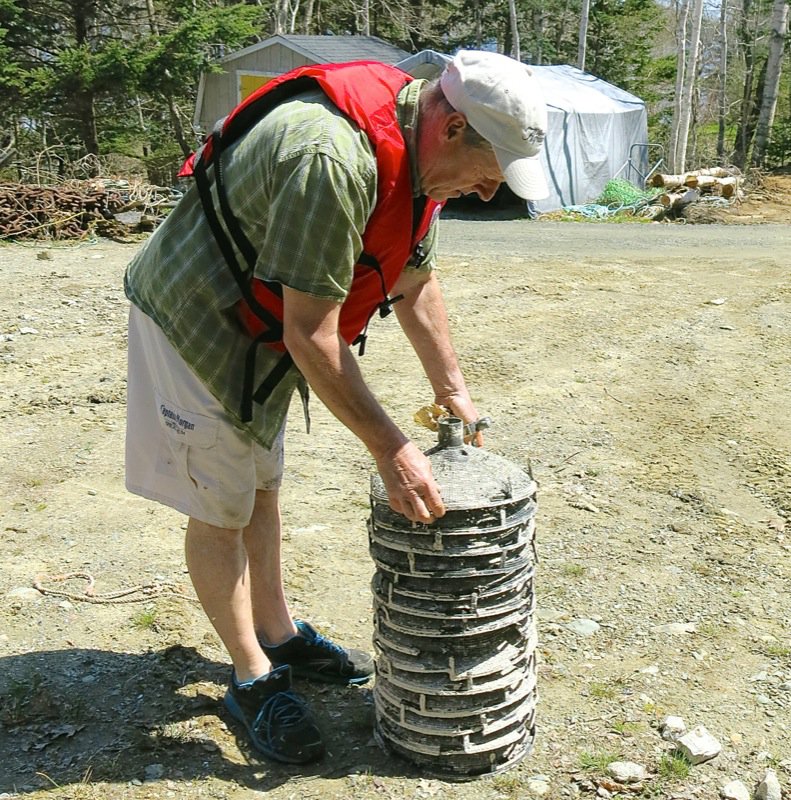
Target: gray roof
{"type": "Point", "coordinates": [349, 48]}
{"type": "Point", "coordinates": [427, 64]}
{"type": "Point", "coordinates": [331, 49]}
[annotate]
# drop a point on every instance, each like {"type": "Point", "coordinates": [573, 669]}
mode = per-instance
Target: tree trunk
{"type": "Point", "coordinates": [678, 98]}
{"type": "Point", "coordinates": [749, 121]}
{"type": "Point", "coordinates": [722, 109]}
{"type": "Point", "coordinates": [178, 128]}
{"type": "Point", "coordinates": [280, 11]}
{"type": "Point", "coordinates": [583, 34]}
{"type": "Point", "coordinates": [774, 67]}
{"type": "Point", "coordinates": [515, 44]}
{"type": "Point", "coordinates": [86, 121]}
{"type": "Point", "coordinates": [746, 39]}
{"type": "Point", "coordinates": [83, 12]}
{"type": "Point", "coordinates": [687, 95]}
{"type": "Point", "coordinates": [307, 22]}
{"type": "Point", "coordinates": [366, 18]}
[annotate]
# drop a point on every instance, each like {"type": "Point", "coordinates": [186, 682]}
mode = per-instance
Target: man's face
{"type": "Point", "coordinates": [451, 168]}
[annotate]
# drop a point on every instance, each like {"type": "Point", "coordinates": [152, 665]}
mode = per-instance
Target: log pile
{"type": "Point", "coordinates": [681, 190]}
{"type": "Point", "coordinates": [73, 210]}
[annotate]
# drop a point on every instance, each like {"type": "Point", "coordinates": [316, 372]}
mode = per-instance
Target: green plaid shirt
{"type": "Point", "coordinates": [303, 185]}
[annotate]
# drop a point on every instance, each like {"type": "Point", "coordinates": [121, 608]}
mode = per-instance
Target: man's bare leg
{"type": "Point", "coordinates": [218, 567]}
{"type": "Point", "coordinates": [271, 615]}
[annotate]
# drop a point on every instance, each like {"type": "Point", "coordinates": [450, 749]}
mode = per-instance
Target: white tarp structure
{"type": "Point", "coordinates": [593, 127]}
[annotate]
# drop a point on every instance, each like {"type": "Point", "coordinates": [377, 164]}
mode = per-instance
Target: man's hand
{"type": "Point", "coordinates": [462, 407]}
{"type": "Point", "coordinates": [423, 317]}
{"type": "Point", "coordinates": [411, 487]}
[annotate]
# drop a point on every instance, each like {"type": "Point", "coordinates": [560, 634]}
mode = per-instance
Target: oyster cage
{"type": "Point", "coordinates": [454, 626]}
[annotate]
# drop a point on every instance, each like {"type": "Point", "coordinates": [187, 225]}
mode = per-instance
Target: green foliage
{"type": "Point", "coordinates": [171, 62]}
{"type": "Point", "coordinates": [80, 76]}
{"type": "Point", "coordinates": [778, 153]}
{"type": "Point", "coordinates": [620, 42]}
{"type": "Point", "coordinates": [674, 766]}
{"type": "Point", "coordinates": [598, 761]}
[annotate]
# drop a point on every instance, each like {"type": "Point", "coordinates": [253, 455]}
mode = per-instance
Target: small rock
{"type": "Point", "coordinates": [154, 772]}
{"type": "Point", "coordinates": [698, 745]}
{"type": "Point", "coordinates": [676, 628]}
{"type": "Point", "coordinates": [769, 787]}
{"type": "Point", "coordinates": [66, 605]}
{"type": "Point", "coordinates": [538, 785]}
{"type": "Point", "coordinates": [671, 728]}
{"type": "Point", "coordinates": [626, 772]}
{"type": "Point", "coordinates": [26, 331]}
{"type": "Point", "coordinates": [44, 255]}
{"type": "Point", "coordinates": [583, 627]}
{"type": "Point", "coordinates": [735, 790]}
{"type": "Point", "coordinates": [26, 594]}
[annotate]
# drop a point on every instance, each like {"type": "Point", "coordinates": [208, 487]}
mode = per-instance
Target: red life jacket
{"type": "Point", "coordinates": [365, 92]}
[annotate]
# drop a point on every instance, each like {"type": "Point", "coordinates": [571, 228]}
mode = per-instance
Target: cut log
{"type": "Point", "coordinates": [729, 186]}
{"type": "Point", "coordinates": [679, 199]}
{"type": "Point", "coordinates": [692, 179]}
{"type": "Point", "coordinates": [668, 181]}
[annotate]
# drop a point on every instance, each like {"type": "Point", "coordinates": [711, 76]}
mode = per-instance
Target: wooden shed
{"type": "Point", "coordinates": [245, 70]}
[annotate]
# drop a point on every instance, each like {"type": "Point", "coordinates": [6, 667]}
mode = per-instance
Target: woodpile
{"type": "Point", "coordinates": [73, 210]}
{"type": "Point", "coordinates": [681, 190]}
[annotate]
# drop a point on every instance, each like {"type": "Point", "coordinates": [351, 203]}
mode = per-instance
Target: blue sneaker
{"type": "Point", "coordinates": [317, 658]}
{"type": "Point", "coordinates": [279, 722]}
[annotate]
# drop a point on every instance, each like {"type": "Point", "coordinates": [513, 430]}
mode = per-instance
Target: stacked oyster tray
{"type": "Point", "coordinates": [454, 630]}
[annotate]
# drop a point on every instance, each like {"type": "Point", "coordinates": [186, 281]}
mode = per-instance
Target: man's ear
{"type": "Point", "coordinates": [455, 124]}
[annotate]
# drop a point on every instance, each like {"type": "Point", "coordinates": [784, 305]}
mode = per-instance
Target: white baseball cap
{"type": "Point", "coordinates": [503, 103]}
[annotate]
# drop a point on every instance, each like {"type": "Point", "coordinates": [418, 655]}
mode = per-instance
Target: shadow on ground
{"type": "Point", "coordinates": [72, 716]}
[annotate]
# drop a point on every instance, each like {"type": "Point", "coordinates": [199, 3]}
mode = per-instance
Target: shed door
{"type": "Point", "coordinates": [248, 82]}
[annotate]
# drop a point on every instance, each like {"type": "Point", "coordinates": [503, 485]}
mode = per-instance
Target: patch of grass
{"type": "Point", "coordinates": [674, 766]}
{"type": "Point", "coordinates": [652, 708]}
{"type": "Point", "coordinates": [509, 785]}
{"type": "Point", "coordinates": [709, 630]}
{"type": "Point", "coordinates": [145, 619]}
{"type": "Point", "coordinates": [653, 790]}
{"type": "Point", "coordinates": [777, 650]}
{"type": "Point", "coordinates": [624, 728]}
{"type": "Point", "coordinates": [597, 762]}
{"type": "Point", "coordinates": [574, 570]}
{"type": "Point", "coordinates": [604, 691]}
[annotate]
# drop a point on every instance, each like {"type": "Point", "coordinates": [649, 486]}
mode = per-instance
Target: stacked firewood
{"type": "Point", "coordinates": [680, 190]}
{"type": "Point", "coordinates": [74, 210]}
{"type": "Point", "coordinates": [68, 211]}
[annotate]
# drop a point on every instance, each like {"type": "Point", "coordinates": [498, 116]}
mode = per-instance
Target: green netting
{"type": "Point", "coordinates": [620, 193]}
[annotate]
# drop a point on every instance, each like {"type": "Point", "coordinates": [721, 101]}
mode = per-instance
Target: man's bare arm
{"type": "Point", "coordinates": [312, 338]}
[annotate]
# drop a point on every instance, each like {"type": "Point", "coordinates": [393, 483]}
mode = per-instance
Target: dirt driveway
{"type": "Point", "coordinates": [643, 370]}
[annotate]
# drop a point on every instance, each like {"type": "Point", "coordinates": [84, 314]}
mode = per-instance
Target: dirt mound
{"type": "Point", "coordinates": [768, 199]}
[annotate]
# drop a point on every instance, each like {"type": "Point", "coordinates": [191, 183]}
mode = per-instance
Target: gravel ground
{"type": "Point", "coordinates": [642, 371]}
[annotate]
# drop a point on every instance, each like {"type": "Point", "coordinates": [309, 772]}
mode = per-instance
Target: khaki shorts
{"type": "Point", "coordinates": [182, 449]}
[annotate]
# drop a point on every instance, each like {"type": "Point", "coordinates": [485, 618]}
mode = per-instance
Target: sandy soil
{"type": "Point", "coordinates": [643, 371]}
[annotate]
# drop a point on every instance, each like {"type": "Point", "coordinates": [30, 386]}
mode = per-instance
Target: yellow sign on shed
{"type": "Point", "coordinates": [249, 82]}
